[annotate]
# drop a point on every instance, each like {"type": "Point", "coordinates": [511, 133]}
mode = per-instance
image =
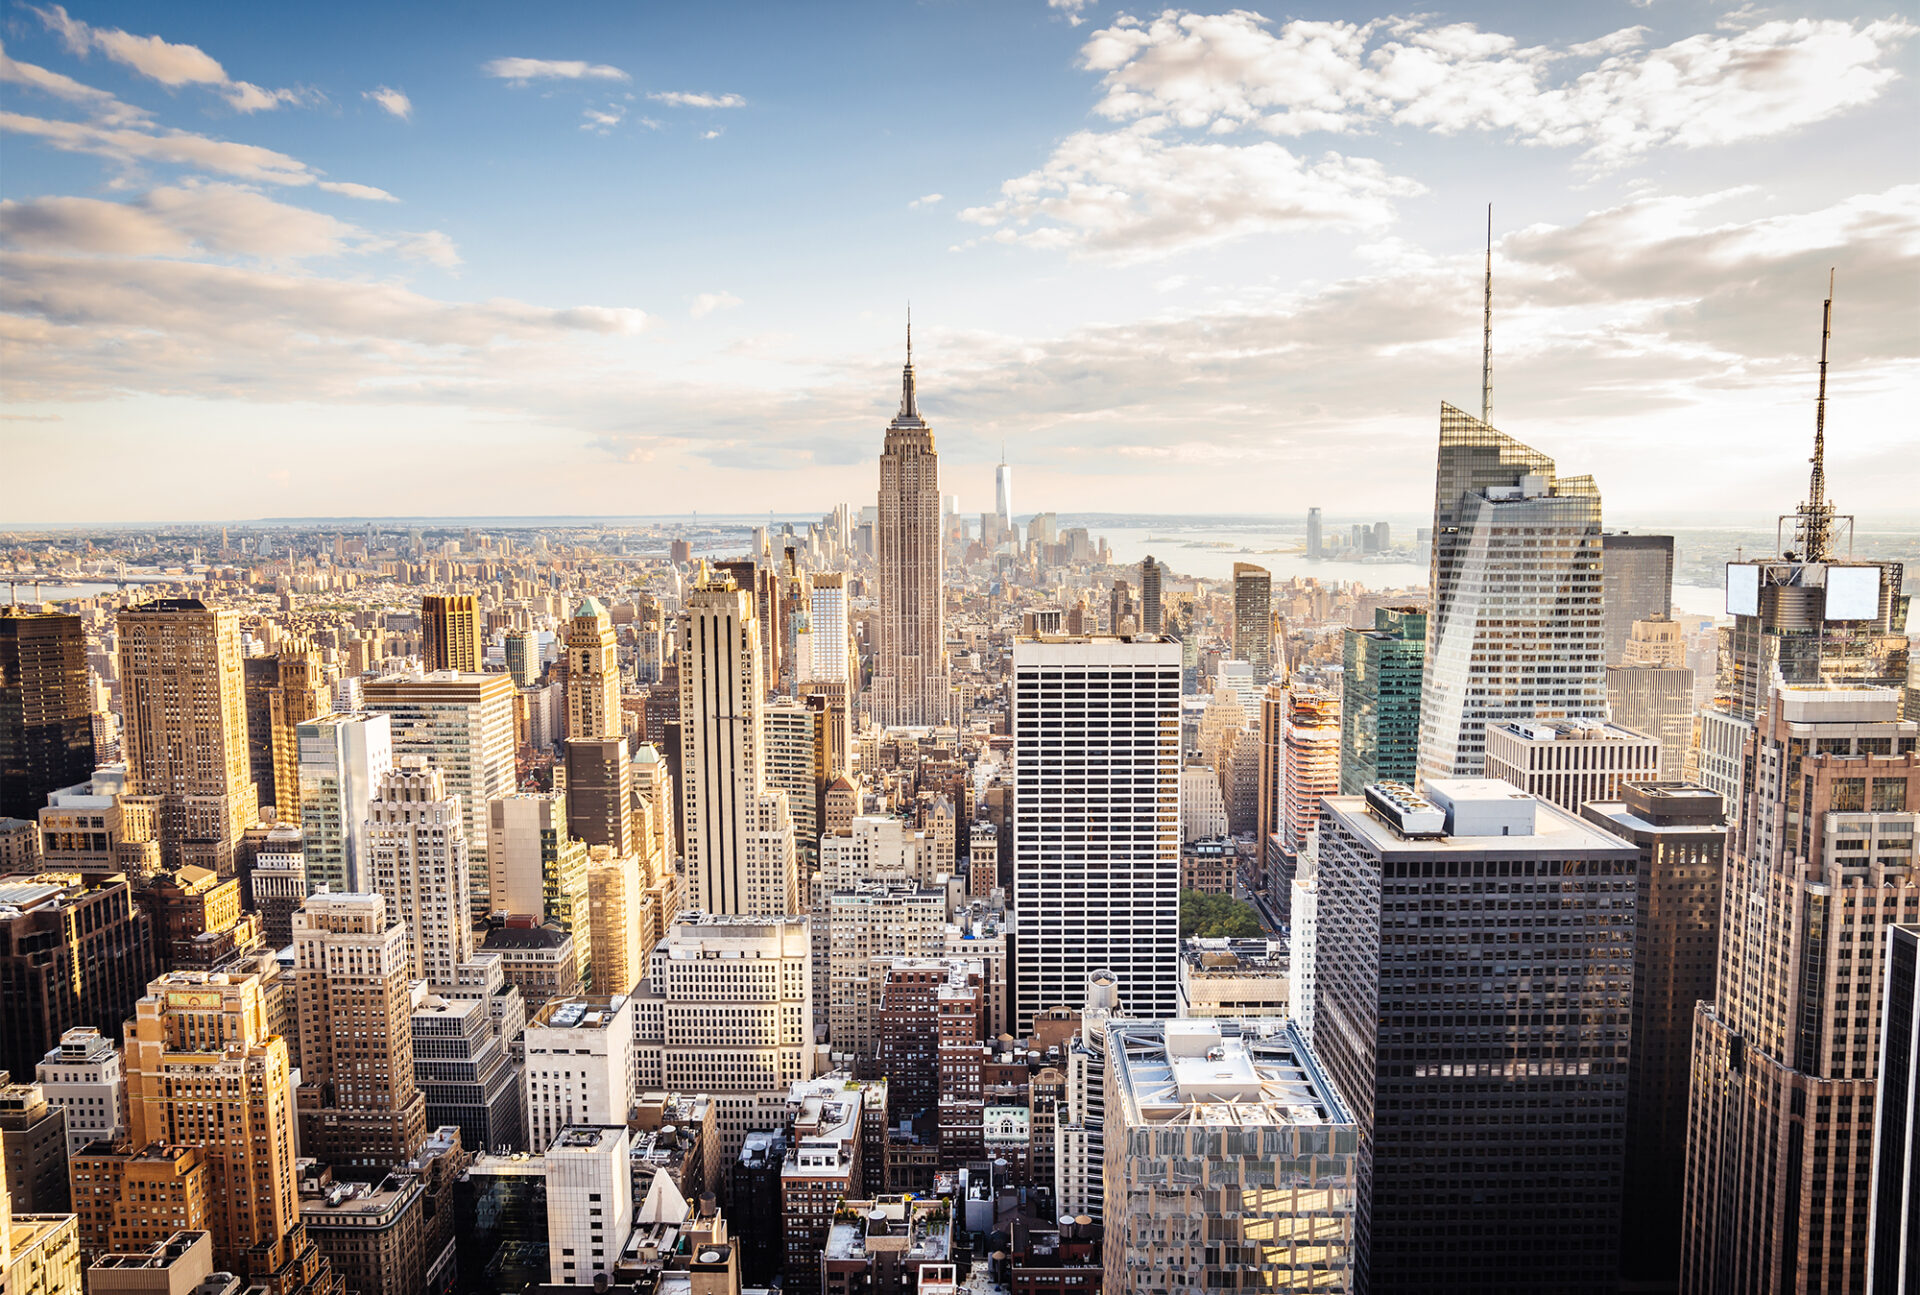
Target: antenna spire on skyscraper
{"type": "Point", "coordinates": [1486, 331]}
{"type": "Point", "coordinates": [1816, 515]}
{"type": "Point", "coordinates": [908, 408]}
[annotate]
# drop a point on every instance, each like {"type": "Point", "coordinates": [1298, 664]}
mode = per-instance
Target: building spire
{"type": "Point", "coordinates": [1816, 515]}
{"type": "Point", "coordinates": [907, 407]}
{"type": "Point", "coordinates": [1486, 331]}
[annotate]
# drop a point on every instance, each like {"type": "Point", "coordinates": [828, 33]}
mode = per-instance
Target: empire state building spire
{"type": "Point", "coordinates": [908, 410]}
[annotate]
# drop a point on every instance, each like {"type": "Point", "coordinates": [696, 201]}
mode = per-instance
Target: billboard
{"type": "Point", "coordinates": [1853, 593]}
{"type": "Point", "coordinates": [1743, 589]}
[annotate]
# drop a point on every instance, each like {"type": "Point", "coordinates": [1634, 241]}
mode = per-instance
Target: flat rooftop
{"type": "Point", "coordinates": [1554, 830]}
{"type": "Point", "coordinates": [1227, 1073]}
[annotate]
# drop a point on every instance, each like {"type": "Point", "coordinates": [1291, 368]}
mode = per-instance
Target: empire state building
{"type": "Point", "coordinates": [910, 685]}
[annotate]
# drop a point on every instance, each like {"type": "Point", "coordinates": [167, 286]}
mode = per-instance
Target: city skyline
{"type": "Point", "coordinates": [1171, 261]}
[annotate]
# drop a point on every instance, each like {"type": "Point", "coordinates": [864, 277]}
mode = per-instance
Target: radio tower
{"type": "Point", "coordinates": [1816, 515]}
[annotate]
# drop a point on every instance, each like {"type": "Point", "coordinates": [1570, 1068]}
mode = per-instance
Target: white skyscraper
{"type": "Point", "coordinates": [1096, 827]}
{"type": "Point", "coordinates": [579, 1064]}
{"type": "Point", "coordinates": [739, 835]}
{"type": "Point", "coordinates": [828, 630]}
{"type": "Point", "coordinates": [1516, 631]}
{"type": "Point", "coordinates": [589, 1202]}
{"type": "Point", "coordinates": [342, 761]}
{"type": "Point", "coordinates": [1003, 491]}
{"type": "Point", "coordinates": [84, 1075]}
{"type": "Point", "coordinates": [417, 842]}
{"type": "Point", "coordinates": [463, 724]}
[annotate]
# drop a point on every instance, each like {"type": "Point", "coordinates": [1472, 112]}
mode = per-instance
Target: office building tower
{"type": "Point", "coordinates": [450, 633]}
{"type": "Point", "coordinates": [1820, 862]}
{"type": "Point", "coordinates": [580, 1065]}
{"type": "Point", "coordinates": [359, 1110]}
{"type": "Point", "coordinates": [727, 1009]}
{"type": "Point", "coordinates": [464, 1071]}
{"type": "Point", "coordinates": [1516, 631]}
{"type": "Point", "coordinates": [278, 883]}
{"type": "Point", "coordinates": [1303, 938]}
{"type": "Point", "coordinates": [281, 691]}
{"type": "Point", "coordinates": [589, 1202]}
{"type": "Point", "coordinates": [33, 1147]}
{"type": "Point", "coordinates": [39, 1253]}
{"type": "Point", "coordinates": [463, 725]}
{"type": "Point", "coordinates": [184, 703]}
{"type": "Point", "coordinates": [1312, 752]}
{"type": "Point", "coordinates": [83, 1076]}
{"type": "Point", "coordinates": [418, 861]}
{"type": "Point", "coordinates": [523, 658]}
{"type": "Point", "coordinates": [797, 744]}
{"type": "Point", "coordinates": [1315, 546]}
{"type": "Point", "coordinates": [1080, 1121]}
{"type": "Point", "coordinates": [1570, 763]}
{"type": "Point", "coordinates": [1380, 678]}
{"type": "Point", "coordinates": [540, 871]}
{"type": "Point", "coordinates": [1253, 618]}
{"type": "Point", "coordinates": [203, 1069]}
{"type": "Point", "coordinates": [1096, 731]}
{"type": "Point", "coordinates": [593, 673]}
{"type": "Point", "coordinates": [71, 953]}
{"type": "Point", "coordinates": [1656, 701]}
{"type": "Point", "coordinates": [862, 928]}
{"type": "Point", "coordinates": [910, 683]}
{"type": "Point", "coordinates": [1003, 492]}
{"type": "Point", "coordinates": [1893, 1229]}
{"type": "Point", "coordinates": [46, 709]}
{"type": "Point", "coordinates": [1636, 584]}
{"type": "Point", "coordinates": [342, 760]}
{"type": "Point", "coordinates": [1521, 1039]}
{"type": "Point", "coordinates": [1207, 1094]}
{"type": "Point", "coordinates": [1152, 612]}
{"type": "Point", "coordinates": [128, 1198]}
{"type": "Point", "coordinates": [182, 1262]}
{"type": "Point", "coordinates": [1681, 833]}
{"type": "Point", "coordinates": [618, 922]}
{"type": "Point", "coordinates": [599, 786]}
{"type": "Point", "coordinates": [739, 835]}
{"type": "Point", "coordinates": [828, 628]}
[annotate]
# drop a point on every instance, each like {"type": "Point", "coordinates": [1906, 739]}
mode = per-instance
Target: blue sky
{"type": "Point", "coordinates": [628, 258]}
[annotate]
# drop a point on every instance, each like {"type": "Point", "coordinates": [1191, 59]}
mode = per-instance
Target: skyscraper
{"type": "Point", "coordinates": [205, 1069]}
{"type": "Point", "coordinates": [593, 673]}
{"type": "Point", "coordinates": [450, 633]}
{"type": "Point", "coordinates": [418, 861]}
{"type": "Point", "coordinates": [1380, 680]}
{"type": "Point", "coordinates": [342, 761]}
{"type": "Point", "coordinates": [1681, 833]}
{"type": "Point", "coordinates": [359, 1109]}
{"type": "Point", "coordinates": [1636, 581]}
{"type": "Point", "coordinates": [1152, 613]}
{"type": "Point", "coordinates": [828, 626]}
{"type": "Point", "coordinates": [462, 724]}
{"type": "Point", "coordinates": [1096, 821]}
{"type": "Point", "coordinates": [523, 657]}
{"type": "Point", "coordinates": [733, 824]}
{"type": "Point", "coordinates": [281, 690]}
{"type": "Point", "coordinates": [1820, 862]}
{"type": "Point", "coordinates": [1520, 1039]}
{"type": "Point", "coordinates": [1314, 540]}
{"type": "Point", "coordinates": [1516, 630]}
{"type": "Point", "coordinates": [184, 699]}
{"type": "Point", "coordinates": [910, 671]}
{"type": "Point", "coordinates": [46, 709]}
{"type": "Point", "coordinates": [1003, 492]}
{"type": "Point", "coordinates": [1253, 618]}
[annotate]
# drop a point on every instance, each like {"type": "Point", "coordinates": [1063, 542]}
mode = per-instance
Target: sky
{"type": "Point", "coordinates": [641, 259]}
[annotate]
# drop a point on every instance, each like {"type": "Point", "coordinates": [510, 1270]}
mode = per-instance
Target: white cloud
{"type": "Point", "coordinates": [522, 70]}
{"type": "Point", "coordinates": [708, 302]}
{"type": "Point", "coordinates": [161, 60]}
{"type": "Point", "coordinates": [687, 99]}
{"type": "Point", "coordinates": [1132, 195]}
{"type": "Point", "coordinates": [600, 121]}
{"type": "Point", "coordinates": [1072, 10]}
{"type": "Point", "coordinates": [394, 101]}
{"type": "Point", "coordinates": [1227, 72]}
{"type": "Point", "coordinates": [97, 103]}
{"type": "Point", "coordinates": [715, 133]}
{"type": "Point", "coordinates": [135, 147]}
{"type": "Point", "coordinates": [927, 200]}
{"type": "Point", "coordinates": [203, 219]}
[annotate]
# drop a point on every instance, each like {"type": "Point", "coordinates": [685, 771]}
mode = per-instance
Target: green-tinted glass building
{"type": "Point", "coordinates": [1380, 701]}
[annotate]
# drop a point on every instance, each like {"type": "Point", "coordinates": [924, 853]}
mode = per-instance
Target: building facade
{"type": "Point", "coordinates": [910, 684]}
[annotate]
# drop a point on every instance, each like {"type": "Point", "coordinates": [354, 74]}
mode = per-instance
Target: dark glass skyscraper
{"type": "Point", "coordinates": [1636, 584]}
{"type": "Point", "coordinates": [46, 710]}
{"type": "Point", "coordinates": [1473, 987]}
{"type": "Point", "coordinates": [1380, 699]}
